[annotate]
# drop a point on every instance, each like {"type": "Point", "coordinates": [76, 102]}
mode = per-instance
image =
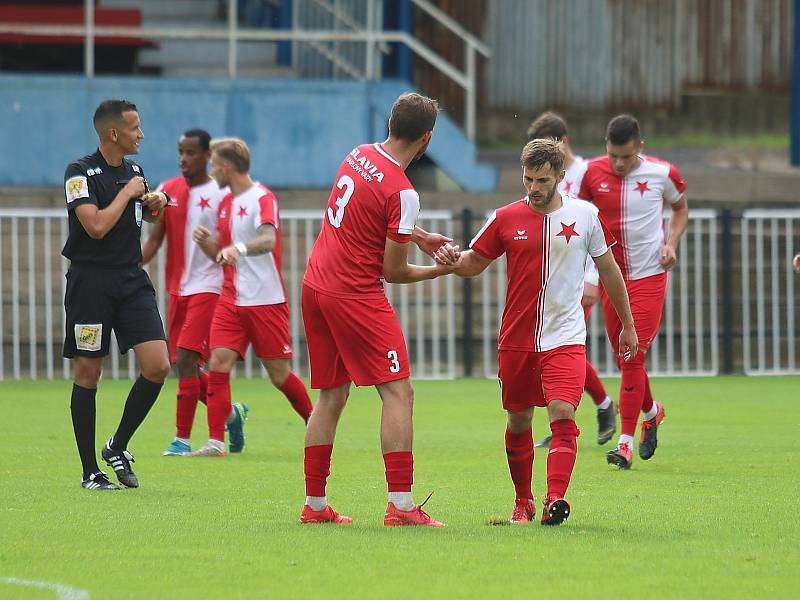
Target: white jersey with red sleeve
{"type": "Point", "coordinates": [632, 207]}
{"type": "Point", "coordinates": [188, 270]}
{"type": "Point", "coordinates": [573, 176]}
{"type": "Point", "coordinates": [570, 185]}
{"type": "Point", "coordinates": [545, 255]}
{"type": "Point", "coordinates": [255, 280]}
{"type": "Point", "coordinates": [371, 200]}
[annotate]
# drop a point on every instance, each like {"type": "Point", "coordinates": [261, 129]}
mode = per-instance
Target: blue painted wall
{"type": "Point", "coordinates": [298, 130]}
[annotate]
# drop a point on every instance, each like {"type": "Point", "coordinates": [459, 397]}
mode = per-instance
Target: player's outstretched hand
{"type": "Point", "coordinates": [628, 344]}
{"type": "Point", "coordinates": [668, 257]}
{"type": "Point", "coordinates": [135, 188]}
{"type": "Point", "coordinates": [796, 263]}
{"type": "Point", "coordinates": [155, 201]}
{"type": "Point", "coordinates": [200, 234]}
{"type": "Point", "coordinates": [447, 255]}
{"type": "Point", "coordinates": [429, 243]}
{"type": "Point", "coordinates": [228, 256]}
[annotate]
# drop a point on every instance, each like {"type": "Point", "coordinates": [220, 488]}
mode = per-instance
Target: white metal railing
{"type": "Point", "coordinates": [32, 287]}
{"type": "Point", "coordinates": [770, 290]}
{"type": "Point", "coordinates": [233, 34]}
{"type": "Point", "coordinates": [688, 341]}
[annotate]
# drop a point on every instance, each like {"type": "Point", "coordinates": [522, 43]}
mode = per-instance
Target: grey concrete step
{"type": "Point", "coordinates": [172, 55]}
{"type": "Point", "coordinates": [155, 12]}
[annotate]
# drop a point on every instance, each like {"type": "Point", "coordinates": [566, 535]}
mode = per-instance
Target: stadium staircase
{"type": "Point", "coordinates": [453, 158]}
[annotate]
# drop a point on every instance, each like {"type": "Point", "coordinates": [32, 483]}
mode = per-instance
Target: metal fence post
{"type": "Point", "coordinates": [466, 229]}
{"type": "Point", "coordinates": [726, 243]}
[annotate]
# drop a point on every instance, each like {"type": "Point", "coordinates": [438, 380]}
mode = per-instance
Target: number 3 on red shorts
{"type": "Point", "coordinates": [394, 365]}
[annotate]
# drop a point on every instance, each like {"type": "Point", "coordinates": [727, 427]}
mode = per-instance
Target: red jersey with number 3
{"type": "Point", "coordinates": [371, 200]}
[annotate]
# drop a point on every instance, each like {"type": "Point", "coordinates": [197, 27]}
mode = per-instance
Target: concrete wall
{"type": "Point", "coordinates": [296, 139]}
{"type": "Point", "coordinates": [298, 130]}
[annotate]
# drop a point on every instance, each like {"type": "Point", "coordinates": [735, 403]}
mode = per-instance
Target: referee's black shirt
{"type": "Point", "coordinates": [91, 180]}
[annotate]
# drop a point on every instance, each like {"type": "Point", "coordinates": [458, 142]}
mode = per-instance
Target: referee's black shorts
{"type": "Point", "coordinates": [99, 299]}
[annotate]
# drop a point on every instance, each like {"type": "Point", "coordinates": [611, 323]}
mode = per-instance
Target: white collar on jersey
{"type": "Point", "coordinates": [385, 154]}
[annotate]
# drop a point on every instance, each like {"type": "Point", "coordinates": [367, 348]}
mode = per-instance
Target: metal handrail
{"type": "Point", "coordinates": [454, 26]}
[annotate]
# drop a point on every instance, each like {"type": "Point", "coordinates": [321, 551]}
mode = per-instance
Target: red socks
{"type": "Point", "coordinates": [647, 404]}
{"type": "Point", "coordinates": [202, 376]}
{"type": "Point", "coordinates": [399, 471]}
{"type": "Point", "coordinates": [219, 404]}
{"type": "Point", "coordinates": [317, 467]}
{"type": "Point", "coordinates": [593, 385]}
{"type": "Point", "coordinates": [295, 391]}
{"type": "Point", "coordinates": [519, 450]}
{"type": "Point", "coordinates": [632, 392]}
{"type": "Point", "coordinates": [561, 457]}
{"type": "Point", "coordinates": [188, 394]}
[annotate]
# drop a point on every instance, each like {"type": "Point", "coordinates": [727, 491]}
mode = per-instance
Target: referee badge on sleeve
{"type": "Point", "coordinates": [76, 187]}
{"type": "Point", "coordinates": [88, 337]}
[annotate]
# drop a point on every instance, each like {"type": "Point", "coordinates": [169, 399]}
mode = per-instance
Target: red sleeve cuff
{"type": "Point", "coordinates": [400, 238]}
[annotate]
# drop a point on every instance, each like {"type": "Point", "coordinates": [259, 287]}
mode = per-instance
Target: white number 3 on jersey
{"type": "Point", "coordinates": [394, 363]}
{"type": "Point", "coordinates": [349, 187]}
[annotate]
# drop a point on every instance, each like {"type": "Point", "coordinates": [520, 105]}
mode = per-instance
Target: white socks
{"type": "Point", "coordinates": [317, 502]}
{"type": "Point", "coordinates": [402, 500]}
{"type": "Point", "coordinates": [651, 414]}
{"type": "Point", "coordinates": [626, 439]}
{"type": "Point", "coordinates": [604, 404]}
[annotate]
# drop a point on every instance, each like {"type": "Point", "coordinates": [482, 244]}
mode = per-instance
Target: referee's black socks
{"type": "Point", "coordinates": [83, 409]}
{"type": "Point", "coordinates": [140, 400]}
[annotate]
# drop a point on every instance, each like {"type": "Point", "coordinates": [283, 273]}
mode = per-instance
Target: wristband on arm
{"type": "Point", "coordinates": [241, 247]}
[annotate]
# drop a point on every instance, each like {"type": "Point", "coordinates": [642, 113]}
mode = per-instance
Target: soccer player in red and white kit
{"type": "Point", "coordinates": [352, 331]}
{"type": "Point", "coordinates": [546, 238]}
{"type": "Point", "coordinates": [630, 190]}
{"type": "Point", "coordinates": [252, 308]}
{"type": "Point", "coordinates": [552, 125]}
{"type": "Point", "coordinates": [193, 282]}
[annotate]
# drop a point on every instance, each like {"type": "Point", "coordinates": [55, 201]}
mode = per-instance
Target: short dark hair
{"type": "Point", "coordinates": [413, 115]}
{"type": "Point", "coordinates": [203, 137]}
{"type": "Point", "coordinates": [622, 129]}
{"type": "Point", "coordinates": [548, 125]}
{"type": "Point", "coordinates": [110, 111]}
{"type": "Point", "coordinates": [539, 152]}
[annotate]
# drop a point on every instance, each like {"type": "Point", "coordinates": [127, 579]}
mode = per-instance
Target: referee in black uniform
{"type": "Point", "coordinates": [107, 199]}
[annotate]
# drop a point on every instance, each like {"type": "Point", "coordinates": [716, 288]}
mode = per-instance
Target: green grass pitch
{"type": "Point", "coordinates": [713, 515]}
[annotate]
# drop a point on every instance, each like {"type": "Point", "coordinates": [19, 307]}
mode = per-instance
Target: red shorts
{"type": "Point", "coordinates": [350, 339]}
{"type": "Point", "coordinates": [647, 302]}
{"type": "Point", "coordinates": [189, 323]}
{"type": "Point", "coordinates": [530, 379]}
{"type": "Point", "coordinates": [265, 326]}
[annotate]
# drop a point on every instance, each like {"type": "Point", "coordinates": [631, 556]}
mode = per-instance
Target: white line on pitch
{"type": "Point", "coordinates": [64, 592]}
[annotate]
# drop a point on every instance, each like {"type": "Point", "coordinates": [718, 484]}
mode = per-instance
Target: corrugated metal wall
{"type": "Point", "coordinates": [596, 54]}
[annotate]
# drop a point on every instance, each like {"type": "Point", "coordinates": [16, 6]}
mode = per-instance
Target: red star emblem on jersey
{"type": "Point", "coordinates": [641, 187]}
{"type": "Point", "coordinates": [568, 231]}
{"type": "Point", "coordinates": [204, 203]}
{"type": "Point", "coordinates": [242, 212]}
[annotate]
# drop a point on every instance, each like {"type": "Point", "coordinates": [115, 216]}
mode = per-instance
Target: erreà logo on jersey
{"type": "Point", "coordinates": [603, 187]}
{"type": "Point", "coordinates": [520, 235]}
{"type": "Point", "coordinates": [368, 167]}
